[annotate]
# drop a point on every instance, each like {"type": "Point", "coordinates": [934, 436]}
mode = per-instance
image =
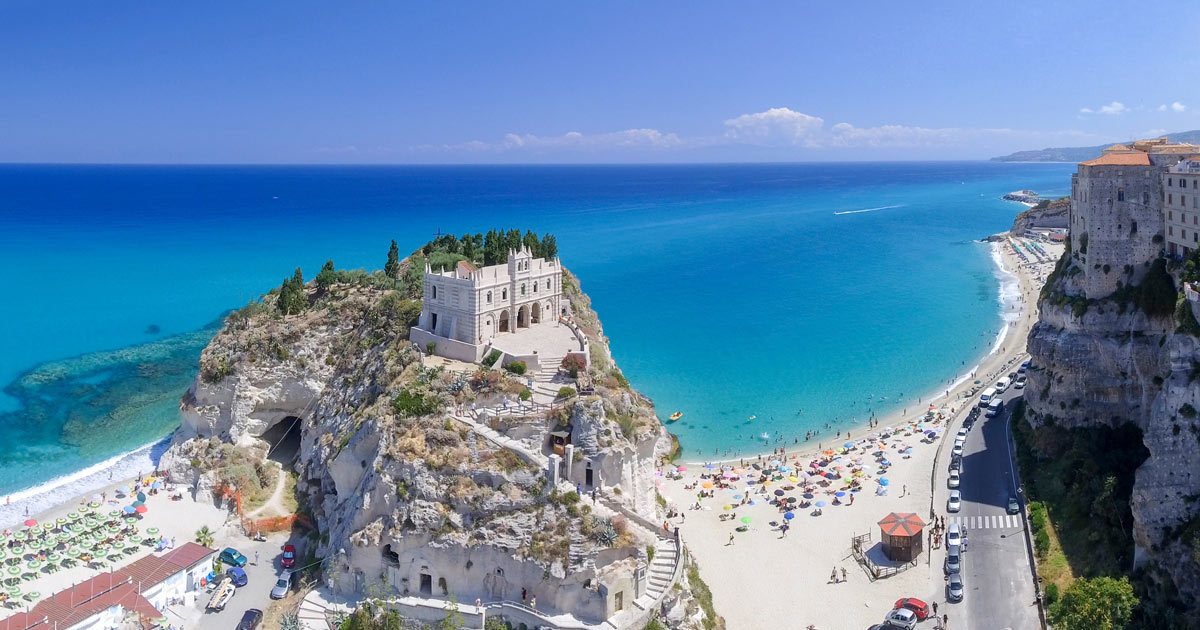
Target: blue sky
{"type": "Point", "coordinates": [393, 82]}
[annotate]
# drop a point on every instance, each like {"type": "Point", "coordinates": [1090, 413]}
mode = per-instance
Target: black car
{"type": "Point", "coordinates": [1014, 505]}
{"type": "Point", "coordinates": [250, 619]}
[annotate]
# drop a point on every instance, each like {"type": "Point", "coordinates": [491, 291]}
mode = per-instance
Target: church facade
{"type": "Point", "coordinates": [463, 309]}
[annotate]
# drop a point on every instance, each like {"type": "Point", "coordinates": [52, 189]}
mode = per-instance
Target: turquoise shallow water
{"type": "Point", "coordinates": [727, 290]}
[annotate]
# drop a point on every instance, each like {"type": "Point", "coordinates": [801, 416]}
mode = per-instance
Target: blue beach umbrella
{"type": "Point", "coordinates": [129, 509]}
{"type": "Point", "coordinates": [789, 516]}
{"type": "Point", "coordinates": [886, 462]}
{"type": "Point", "coordinates": [840, 494]}
{"type": "Point", "coordinates": [883, 481]}
{"type": "Point", "coordinates": [820, 504]}
{"type": "Point", "coordinates": [709, 466]}
{"type": "Point", "coordinates": [849, 445]}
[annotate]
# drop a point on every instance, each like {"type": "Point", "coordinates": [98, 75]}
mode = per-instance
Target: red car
{"type": "Point", "coordinates": [919, 608]}
{"type": "Point", "coordinates": [289, 558]}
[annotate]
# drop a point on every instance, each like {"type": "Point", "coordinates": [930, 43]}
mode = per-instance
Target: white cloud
{"type": "Point", "coordinates": [1115, 108]}
{"type": "Point", "coordinates": [1178, 107]}
{"type": "Point", "coordinates": [628, 139]}
{"type": "Point", "coordinates": [1086, 110]}
{"type": "Point", "coordinates": [775, 125]}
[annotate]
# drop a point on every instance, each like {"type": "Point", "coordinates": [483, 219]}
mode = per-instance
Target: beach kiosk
{"type": "Point", "coordinates": [901, 536]}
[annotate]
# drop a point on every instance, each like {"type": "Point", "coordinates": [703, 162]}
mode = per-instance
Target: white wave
{"type": "Point", "coordinates": [869, 209]}
{"type": "Point", "coordinates": [31, 501]}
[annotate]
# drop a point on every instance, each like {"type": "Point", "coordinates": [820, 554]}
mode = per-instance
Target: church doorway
{"type": "Point", "coordinates": [535, 313]}
{"type": "Point", "coordinates": [523, 317]}
{"type": "Point", "coordinates": [503, 321]}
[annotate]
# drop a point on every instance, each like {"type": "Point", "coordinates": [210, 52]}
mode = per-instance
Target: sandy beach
{"type": "Point", "coordinates": [799, 588]}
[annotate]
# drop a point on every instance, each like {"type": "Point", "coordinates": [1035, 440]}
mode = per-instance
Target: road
{"type": "Point", "coordinates": [255, 594]}
{"type": "Point", "coordinates": [996, 571]}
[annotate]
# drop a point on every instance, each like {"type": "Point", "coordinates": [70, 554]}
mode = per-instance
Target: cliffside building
{"type": "Point", "coordinates": [465, 308]}
{"type": "Point", "coordinates": [1119, 216]}
{"type": "Point", "coordinates": [1181, 183]}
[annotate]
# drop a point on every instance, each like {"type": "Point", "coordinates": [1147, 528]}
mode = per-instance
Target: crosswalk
{"type": "Point", "coordinates": [996, 521]}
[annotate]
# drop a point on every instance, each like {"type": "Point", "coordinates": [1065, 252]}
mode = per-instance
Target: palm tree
{"type": "Point", "coordinates": [204, 536]}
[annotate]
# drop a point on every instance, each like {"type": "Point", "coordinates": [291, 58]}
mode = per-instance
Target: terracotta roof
{"type": "Point", "coordinates": [1117, 147]}
{"type": "Point", "coordinates": [902, 524]}
{"type": "Point", "coordinates": [1135, 158]}
{"type": "Point", "coordinates": [73, 605]}
{"type": "Point", "coordinates": [466, 266]}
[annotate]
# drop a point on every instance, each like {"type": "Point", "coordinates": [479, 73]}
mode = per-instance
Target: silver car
{"type": "Point", "coordinates": [954, 503]}
{"type": "Point", "coordinates": [954, 588]}
{"type": "Point", "coordinates": [282, 585]}
{"type": "Point", "coordinates": [953, 561]}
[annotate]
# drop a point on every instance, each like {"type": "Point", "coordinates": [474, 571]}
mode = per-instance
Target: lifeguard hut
{"type": "Point", "coordinates": [902, 540]}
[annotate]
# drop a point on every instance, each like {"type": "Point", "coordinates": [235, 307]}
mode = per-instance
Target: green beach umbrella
{"type": "Point", "coordinates": [14, 591]}
{"type": "Point", "coordinates": [53, 557]}
{"type": "Point", "coordinates": [33, 564]}
{"type": "Point", "coordinates": [14, 570]}
{"type": "Point", "coordinates": [94, 504]}
{"type": "Point", "coordinates": [74, 516]}
{"type": "Point", "coordinates": [118, 544]}
{"type": "Point", "coordinates": [131, 519]}
{"type": "Point", "coordinates": [746, 520]}
{"type": "Point", "coordinates": [153, 531]}
{"type": "Point", "coordinates": [33, 595]}
{"type": "Point", "coordinates": [114, 514]}
{"type": "Point", "coordinates": [18, 549]}
{"type": "Point", "coordinates": [60, 521]}
{"type": "Point", "coordinates": [20, 536]}
{"type": "Point", "coordinates": [74, 552]}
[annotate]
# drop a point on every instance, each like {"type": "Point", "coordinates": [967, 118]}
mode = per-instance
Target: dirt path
{"type": "Point", "coordinates": [275, 503]}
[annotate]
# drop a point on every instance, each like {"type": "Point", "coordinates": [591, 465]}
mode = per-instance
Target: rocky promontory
{"type": "Point", "coordinates": [409, 493]}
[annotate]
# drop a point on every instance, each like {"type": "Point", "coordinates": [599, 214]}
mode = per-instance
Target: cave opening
{"type": "Point", "coordinates": [283, 440]}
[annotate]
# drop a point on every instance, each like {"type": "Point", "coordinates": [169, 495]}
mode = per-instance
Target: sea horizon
{"type": "Point", "coordinates": [694, 220]}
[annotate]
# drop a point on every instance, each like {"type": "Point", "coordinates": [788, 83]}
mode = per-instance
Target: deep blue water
{"type": "Point", "coordinates": [727, 290]}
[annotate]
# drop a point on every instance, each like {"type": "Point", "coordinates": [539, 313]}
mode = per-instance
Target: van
{"type": "Point", "coordinates": [1001, 385]}
{"type": "Point", "coordinates": [994, 408]}
{"type": "Point", "coordinates": [986, 397]}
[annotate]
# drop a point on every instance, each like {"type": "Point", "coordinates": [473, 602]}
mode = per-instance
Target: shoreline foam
{"type": "Point", "coordinates": [56, 492]}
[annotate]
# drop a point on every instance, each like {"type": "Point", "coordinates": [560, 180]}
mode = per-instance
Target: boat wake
{"type": "Point", "coordinates": [868, 209]}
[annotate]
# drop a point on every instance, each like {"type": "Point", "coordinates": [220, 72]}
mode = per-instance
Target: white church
{"type": "Point", "coordinates": [466, 308]}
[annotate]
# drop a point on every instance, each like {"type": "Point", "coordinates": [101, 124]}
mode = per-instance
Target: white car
{"type": "Point", "coordinates": [1001, 385]}
{"type": "Point", "coordinates": [953, 560]}
{"type": "Point", "coordinates": [1020, 384]}
{"type": "Point", "coordinates": [954, 535]}
{"type": "Point", "coordinates": [962, 433]}
{"type": "Point", "coordinates": [954, 480]}
{"type": "Point", "coordinates": [954, 503]}
{"type": "Point", "coordinates": [902, 618]}
{"type": "Point", "coordinates": [958, 449]}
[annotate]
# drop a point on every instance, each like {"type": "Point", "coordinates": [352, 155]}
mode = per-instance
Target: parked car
{"type": "Point", "coordinates": [917, 606]}
{"type": "Point", "coordinates": [250, 619]}
{"type": "Point", "coordinates": [289, 557]}
{"type": "Point", "coordinates": [1020, 384]}
{"type": "Point", "coordinates": [954, 535]}
{"type": "Point", "coordinates": [958, 450]}
{"type": "Point", "coordinates": [223, 592]}
{"type": "Point", "coordinates": [1001, 385]}
{"type": "Point", "coordinates": [954, 479]}
{"type": "Point", "coordinates": [954, 588]}
{"type": "Point", "coordinates": [962, 434]}
{"type": "Point", "coordinates": [238, 576]}
{"type": "Point", "coordinates": [994, 408]}
{"type": "Point", "coordinates": [953, 560]}
{"type": "Point", "coordinates": [282, 585]}
{"type": "Point", "coordinates": [954, 503]}
{"type": "Point", "coordinates": [232, 556]}
{"type": "Point", "coordinates": [1024, 367]}
{"type": "Point", "coordinates": [902, 618]}
{"type": "Point", "coordinates": [1014, 505]}
{"type": "Point", "coordinates": [1012, 376]}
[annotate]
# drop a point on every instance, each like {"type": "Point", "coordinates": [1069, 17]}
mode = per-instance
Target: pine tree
{"type": "Point", "coordinates": [549, 247]}
{"type": "Point", "coordinates": [512, 241]}
{"type": "Point", "coordinates": [531, 242]}
{"type": "Point", "coordinates": [327, 276]}
{"type": "Point", "coordinates": [392, 268]}
{"type": "Point", "coordinates": [292, 298]}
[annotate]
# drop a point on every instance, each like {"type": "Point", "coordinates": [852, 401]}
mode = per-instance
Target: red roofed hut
{"type": "Point", "coordinates": [902, 540]}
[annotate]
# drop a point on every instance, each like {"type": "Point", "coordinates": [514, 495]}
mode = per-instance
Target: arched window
{"type": "Point", "coordinates": [535, 286]}
{"type": "Point", "coordinates": [489, 297]}
{"type": "Point", "coordinates": [522, 289]}
{"type": "Point", "coordinates": [1120, 194]}
{"type": "Point", "coordinates": [435, 291]}
{"type": "Point", "coordinates": [504, 294]}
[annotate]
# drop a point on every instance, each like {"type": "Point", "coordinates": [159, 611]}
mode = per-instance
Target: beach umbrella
{"type": "Point", "coordinates": [848, 445]}
{"type": "Point", "coordinates": [128, 509]}
{"type": "Point", "coordinates": [114, 514]}
{"type": "Point", "coordinates": [728, 507]}
{"type": "Point", "coordinates": [885, 462]}
{"type": "Point", "coordinates": [808, 495]}
{"type": "Point", "coordinates": [819, 504]}
{"type": "Point", "coordinates": [746, 520]}
{"type": "Point", "coordinates": [33, 596]}
{"type": "Point", "coordinates": [14, 570]}
{"type": "Point", "coordinates": [31, 523]}
{"type": "Point", "coordinates": [681, 469]}
{"type": "Point", "coordinates": [709, 466]}
{"type": "Point", "coordinates": [706, 484]}
{"type": "Point", "coordinates": [118, 544]}
{"type": "Point", "coordinates": [839, 494]}
{"type": "Point", "coordinates": [153, 531]}
{"type": "Point", "coordinates": [33, 565]}
{"type": "Point", "coordinates": [789, 515]}
{"type": "Point", "coordinates": [141, 496]}
{"type": "Point", "coordinates": [779, 493]}
{"type": "Point", "coordinates": [130, 520]}
{"type": "Point", "coordinates": [883, 481]}
{"type": "Point", "coordinates": [791, 499]}
{"type": "Point", "coordinates": [784, 469]}
{"type": "Point", "coordinates": [14, 591]}
{"type": "Point", "coordinates": [94, 504]}
{"type": "Point", "coordinates": [60, 521]}
{"type": "Point", "coordinates": [793, 480]}
{"type": "Point", "coordinates": [74, 552]}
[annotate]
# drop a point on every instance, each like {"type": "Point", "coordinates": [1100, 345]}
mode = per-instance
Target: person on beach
{"type": "Point", "coordinates": [833, 576]}
{"type": "Point", "coordinates": [843, 574]}
{"type": "Point", "coordinates": [730, 539]}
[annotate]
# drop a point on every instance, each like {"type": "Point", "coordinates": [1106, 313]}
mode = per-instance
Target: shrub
{"type": "Point", "coordinates": [213, 372]}
{"type": "Point", "coordinates": [525, 394]}
{"type": "Point", "coordinates": [566, 392]}
{"type": "Point", "coordinates": [574, 364]}
{"type": "Point", "coordinates": [620, 378]}
{"type": "Point", "coordinates": [1051, 593]}
{"type": "Point", "coordinates": [491, 358]}
{"type": "Point", "coordinates": [430, 347]}
{"type": "Point", "coordinates": [516, 367]}
{"type": "Point", "coordinates": [412, 404]}
{"type": "Point", "coordinates": [1187, 410]}
{"type": "Point", "coordinates": [1041, 543]}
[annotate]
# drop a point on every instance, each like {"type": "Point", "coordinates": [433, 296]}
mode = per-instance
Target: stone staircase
{"type": "Point", "coordinates": [661, 574]}
{"type": "Point", "coordinates": [315, 610]}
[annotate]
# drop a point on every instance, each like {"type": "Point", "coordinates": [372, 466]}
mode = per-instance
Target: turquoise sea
{"type": "Point", "coordinates": [727, 290]}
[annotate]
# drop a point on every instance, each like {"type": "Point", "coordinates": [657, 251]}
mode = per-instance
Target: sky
{"type": "Point", "coordinates": [615, 81]}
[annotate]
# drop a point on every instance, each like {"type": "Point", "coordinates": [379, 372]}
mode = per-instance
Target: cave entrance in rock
{"type": "Point", "coordinates": [283, 440]}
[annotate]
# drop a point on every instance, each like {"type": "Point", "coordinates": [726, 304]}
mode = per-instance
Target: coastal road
{"type": "Point", "coordinates": [999, 584]}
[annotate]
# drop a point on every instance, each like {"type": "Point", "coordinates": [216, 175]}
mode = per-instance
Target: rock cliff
{"type": "Point", "coordinates": [1049, 214]}
{"type": "Point", "coordinates": [409, 499]}
{"type": "Point", "coordinates": [1130, 359]}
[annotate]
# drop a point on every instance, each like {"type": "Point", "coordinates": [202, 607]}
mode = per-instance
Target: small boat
{"type": "Point", "coordinates": [675, 416]}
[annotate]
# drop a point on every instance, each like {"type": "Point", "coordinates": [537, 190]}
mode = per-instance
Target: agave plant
{"type": "Point", "coordinates": [605, 533]}
{"type": "Point", "coordinates": [289, 622]}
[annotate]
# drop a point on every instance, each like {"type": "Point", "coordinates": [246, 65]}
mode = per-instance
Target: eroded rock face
{"type": "Point", "coordinates": [1109, 368]}
{"type": "Point", "coordinates": [399, 494]}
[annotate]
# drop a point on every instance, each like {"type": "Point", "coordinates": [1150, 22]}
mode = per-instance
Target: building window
{"type": "Point", "coordinates": [504, 294]}
{"type": "Point", "coordinates": [1145, 197]}
{"type": "Point", "coordinates": [1183, 200]}
{"type": "Point", "coordinates": [522, 289]}
{"type": "Point", "coordinates": [1170, 199]}
{"type": "Point", "coordinates": [435, 292]}
{"type": "Point", "coordinates": [1170, 231]}
{"type": "Point", "coordinates": [489, 297]}
{"type": "Point", "coordinates": [1120, 194]}
{"type": "Point", "coordinates": [1170, 215]}
{"type": "Point", "coordinates": [1170, 182]}
{"type": "Point", "coordinates": [535, 287]}
{"type": "Point", "coordinates": [1182, 183]}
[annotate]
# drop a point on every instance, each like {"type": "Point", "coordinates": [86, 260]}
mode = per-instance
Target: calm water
{"type": "Point", "coordinates": [727, 290]}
